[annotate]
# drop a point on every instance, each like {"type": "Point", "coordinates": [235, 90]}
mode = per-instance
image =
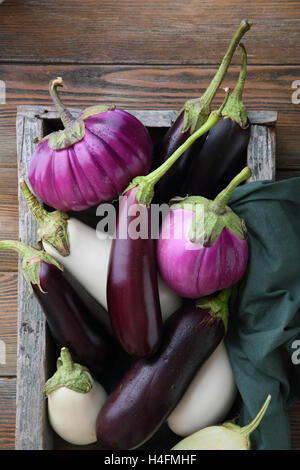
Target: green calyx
{"type": "Point", "coordinates": [53, 226]}
{"type": "Point", "coordinates": [32, 260]}
{"type": "Point", "coordinates": [74, 128]}
{"type": "Point", "coordinates": [69, 136]}
{"type": "Point", "coordinates": [93, 110]}
{"type": "Point", "coordinates": [235, 108]}
{"type": "Point", "coordinates": [216, 214]}
{"type": "Point", "coordinates": [196, 111]}
{"type": "Point", "coordinates": [69, 374]}
{"type": "Point", "coordinates": [146, 183]}
{"type": "Point", "coordinates": [217, 304]}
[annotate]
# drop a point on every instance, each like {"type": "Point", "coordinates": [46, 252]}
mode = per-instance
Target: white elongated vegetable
{"type": "Point", "coordinates": [74, 401]}
{"type": "Point", "coordinates": [208, 398]}
{"type": "Point", "coordinates": [84, 254]}
{"type": "Point", "coordinates": [228, 436]}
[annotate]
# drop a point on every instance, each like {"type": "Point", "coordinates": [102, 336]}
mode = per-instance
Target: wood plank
{"type": "Point", "coordinates": [8, 215]}
{"type": "Point", "coordinates": [148, 31]}
{"type": "Point", "coordinates": [32, 429]}
{"type": "Point", "coordinates": [8, 323]}
{"type": "Point", "coordinates": [131, 87]}
{"type": "Point", "coordinates": [7, 413]}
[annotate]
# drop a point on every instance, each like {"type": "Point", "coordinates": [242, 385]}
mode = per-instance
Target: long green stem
{"type": "Point", "coordinates": [209, 94]}
{"type": "Point", "coordinates": [223, 197]}
{"type": "Point", "coordinates": [249, 428]}
{"type": "Point", "coordinates": [146, 184]}
{"type": "Point", "coordinates": [196, 111]}
{"type": "Point", "coordinates": [65, 115]}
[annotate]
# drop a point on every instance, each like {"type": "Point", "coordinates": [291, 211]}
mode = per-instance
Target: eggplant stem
{"type": "Point", "coordinates": [210, 92]}
{"type": "Point", "coordinates": [249, 428]}
{"type": "Point", "coordinates": [65, 360]}
{"type": "Point", "coordinates": [221, 200]}
{"type": "Point", "coordinates": [145, 192]}
{"type": "Point", "coordinates": [235, 108]}
{"type": "Point", "coordinates": [66, 117]}
{"type": "Point", "coordinates": [34, 205]}
{"type": "Point", "coordinates": [15, 245]}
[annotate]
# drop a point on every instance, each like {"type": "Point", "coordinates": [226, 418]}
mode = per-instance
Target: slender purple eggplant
{"type": "Point", "coordinates": [151, 388]}
{"type": "Point", "coordinates": [132, 290]}
{"type": "Point", "coordinates": [191, 117]}
{"type": "Point", "coordinates": [224, 152]}
{"type": "Point", "coordinates": [70, 322]}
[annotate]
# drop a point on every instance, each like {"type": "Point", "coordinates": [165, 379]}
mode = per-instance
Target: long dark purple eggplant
{"type": "Point", "coordinates": [70, 322]}
{"type": "Point", "coordinates": [224, 152]}
{"type": "Point", "coordinates": [132, 289]}
{"type": "Point", "coordinates": [191, 117]}
{"type": "Point", "coordinates": [151, 388]}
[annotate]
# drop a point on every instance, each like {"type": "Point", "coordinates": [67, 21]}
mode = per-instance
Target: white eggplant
{"type": "Point", "coordinates": [74, 401]}
{"type": "Point", "coordinates": [228, 436]}
{"type": "Point", "coordinates": [83, 253]}
{"type": "Point", "coordinates": [209, 397]}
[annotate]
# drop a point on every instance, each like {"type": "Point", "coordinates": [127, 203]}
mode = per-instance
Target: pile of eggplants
{"type": "Point", "coordinates": [148, 356]}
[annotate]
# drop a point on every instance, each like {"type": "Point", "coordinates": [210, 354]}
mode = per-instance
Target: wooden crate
{"type": "Point", "coordinates": [33, 123]}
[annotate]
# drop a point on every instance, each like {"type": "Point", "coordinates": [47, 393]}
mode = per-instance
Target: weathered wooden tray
{"type": "Point", "coordinates": [33, 353]}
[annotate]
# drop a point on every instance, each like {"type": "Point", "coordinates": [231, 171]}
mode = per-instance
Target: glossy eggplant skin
{"type": "Point", "coordinates": [132, 289]}
{"type": "Point", "coordinates": [222, 156]}
{"type": "Point", "coordinates": [170, 184]}
{"type": "Point", "coordinates": [70, 322]}
{"type": "Point", "coordinates": [151, 388]}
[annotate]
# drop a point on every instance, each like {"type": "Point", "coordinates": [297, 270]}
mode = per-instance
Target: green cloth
{"type": "Point", "coordinates": [265, 308]}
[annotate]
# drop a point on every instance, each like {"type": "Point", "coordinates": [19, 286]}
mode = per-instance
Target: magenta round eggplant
{"type": "Point", "coordinates": [193, 270]}
{"type": "Point", "coordinates": [92, 160]}
{"type": "Point", "coordinates": [132, 289]}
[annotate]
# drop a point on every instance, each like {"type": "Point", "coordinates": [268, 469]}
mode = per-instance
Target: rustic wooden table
{"type": "Point", "coordinates": [138, 54]}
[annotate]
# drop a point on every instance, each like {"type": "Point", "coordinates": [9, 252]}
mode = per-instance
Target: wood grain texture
{"type": "Point", "coordinates": [8, 215]}
{"type": "Point", "coordinates": [7, 413]}
{"type": "Point", "coordinates": [8, 322]}
{"type": "Point", "coordinates": [142, 31]}
{"type": "Point", "coordinates": [132, 87]}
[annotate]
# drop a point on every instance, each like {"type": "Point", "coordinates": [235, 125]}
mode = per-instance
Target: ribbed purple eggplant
{"type": "Point", "coordinates": [70, 321]}
{"type": "Point", "coordinates": [203, 246]}
{"type": "Point", "coordinates": [151, 388]}
{"type": "Point", "coordinates": [92, 160]}
{"type": "Point", "coordinates": [132, 290]}
{"type": "Point", "coordinates": [191, 117]}
{"type": "Point", "coordinates": [224, 152]}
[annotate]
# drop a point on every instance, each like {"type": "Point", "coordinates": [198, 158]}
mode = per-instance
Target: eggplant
{"type": "Point", "coordinates": [224, 152]}
{"type": "Point", "coordinates": [70, 322]}
{"type": "Point", "coordinates": [132, 290]}
{"type": "Point", "coordinates": [92, 160]}
{"type": "Point", "coordinates": [151, 388]}
{"type": "Point", "coordinates": [191, 117]}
